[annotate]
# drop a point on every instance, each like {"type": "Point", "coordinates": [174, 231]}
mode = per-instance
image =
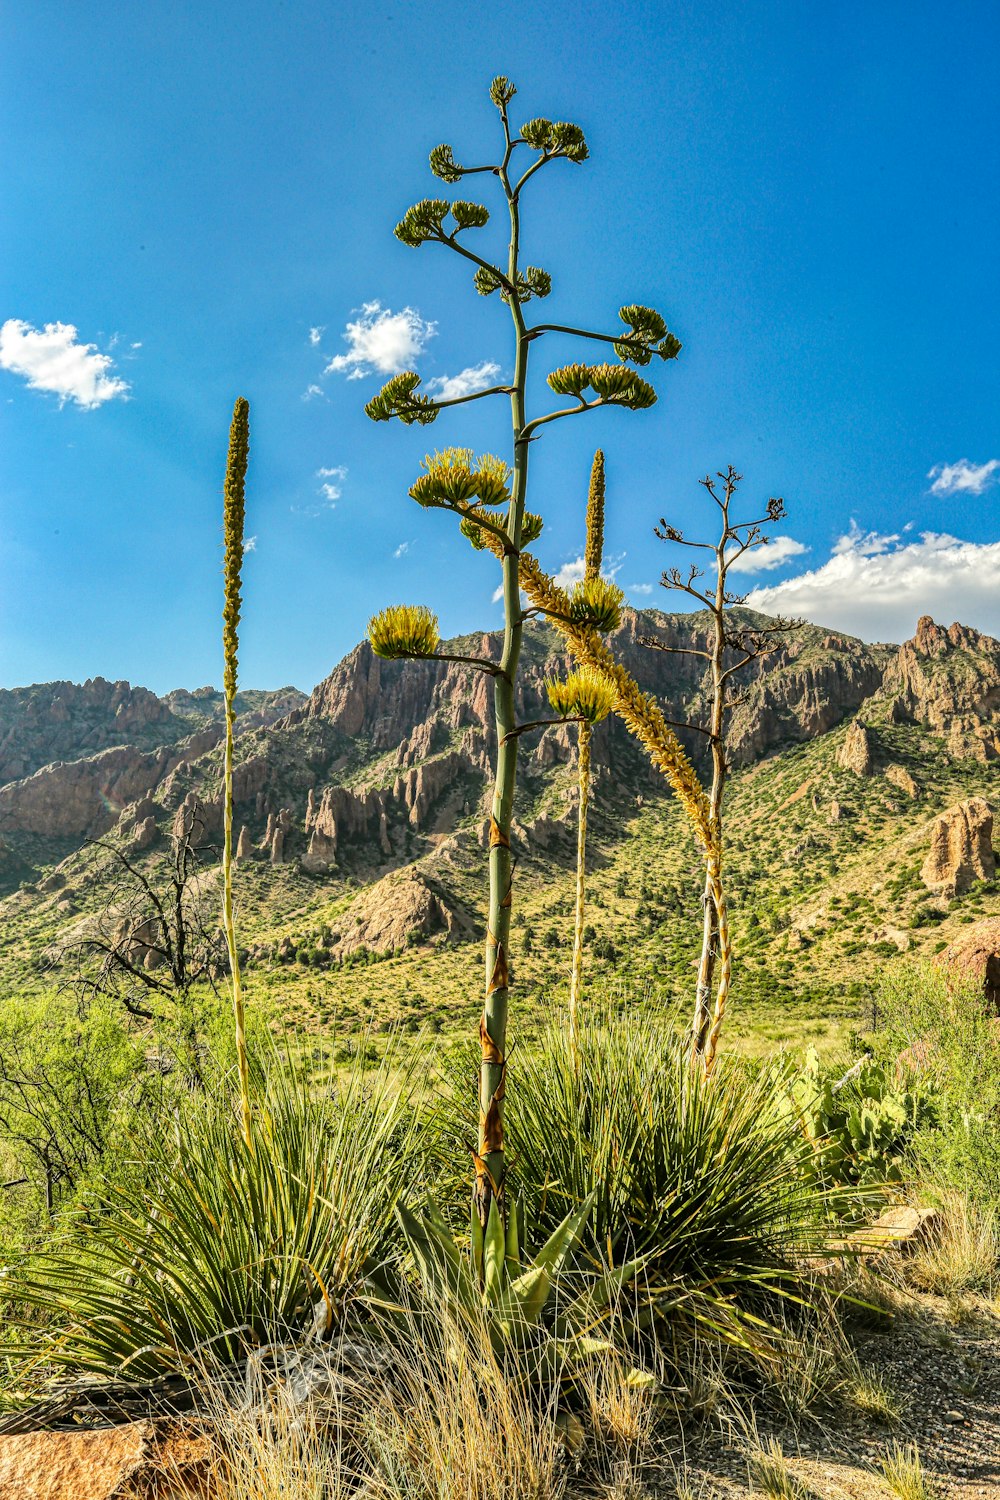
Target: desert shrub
{"type": "Point", "coordinates": [703, 1179]}
{"type": "Point", "coordinates": [861, 1119]}
{"type": "Point", "coordinates": [71, 1084]}
{"type": "Point", "coordinates": [215, 1245]}
{"type": "Point", "coordinates": [942, 1033]}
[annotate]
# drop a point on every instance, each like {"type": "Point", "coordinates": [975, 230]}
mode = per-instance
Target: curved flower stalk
{"type": "Point", "coordinates": [489, 497]}
{"type": "Point", "coordinates": [233, 517]}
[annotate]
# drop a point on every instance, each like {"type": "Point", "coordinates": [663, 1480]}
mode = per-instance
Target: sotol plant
{"type": "Point", "coordinates": [490, 500]}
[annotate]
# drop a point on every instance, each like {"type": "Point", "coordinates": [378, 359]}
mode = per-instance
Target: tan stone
{"type": "Point", "coordinates": [898, 1229]}
{"type": "Point", "coordinates": [900, 776]}
{"type": "Point", "coordinates": [856, 753]}
{"type": "Point", "coordinates": [961, 848]}
{"type": "Point", "coordinates": [158, 1460]}
{"type": "Point", "coordinates": [974, 957]}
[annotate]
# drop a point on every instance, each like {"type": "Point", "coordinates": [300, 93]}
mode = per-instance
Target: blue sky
{"type": "Point", "coordinates": [807, 192]}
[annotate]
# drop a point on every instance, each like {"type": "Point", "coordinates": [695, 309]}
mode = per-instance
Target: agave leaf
{"type": "Point", "coordinates": [476, 1239]}
{"type": "Point", "coordinates": [526, 1296]}
{"type": "Point", "coordinates": [436, 1254]}
{"type": "Point", "coordinates": [512, 1249]}
{"type": "Point", "coordinates": [564, 1238]}
{"type": "Point", "coordinates": [493, 1254]}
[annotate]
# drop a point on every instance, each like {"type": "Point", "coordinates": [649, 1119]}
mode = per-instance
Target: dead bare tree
{"type": "Point", "coordinates": [731, 647]}
{"type": "Point", "coordinates": [150, 947]}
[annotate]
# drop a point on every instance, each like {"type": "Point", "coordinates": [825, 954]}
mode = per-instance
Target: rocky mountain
{"type": "Point", "coordinates": [363, 804]}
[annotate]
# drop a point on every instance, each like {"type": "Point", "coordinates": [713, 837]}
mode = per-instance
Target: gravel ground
{"type": "Point", "coordinates": [943, 1361]}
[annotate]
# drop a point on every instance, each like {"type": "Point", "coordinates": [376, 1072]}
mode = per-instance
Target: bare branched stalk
{"type": "Point", "coordinates": [233, 517]}
{"type": "Point", "coordinates": [730, 648]}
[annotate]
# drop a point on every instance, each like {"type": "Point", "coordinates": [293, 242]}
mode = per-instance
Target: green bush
{"type": "Point", "coordinates": [860, 1121]}
{"type": "Point", "coordinates": [215, 1246]}
{"type": "Point", "coordinates": [947, 1037]}
{"type": "Point", "coordinates": [705, 1180]}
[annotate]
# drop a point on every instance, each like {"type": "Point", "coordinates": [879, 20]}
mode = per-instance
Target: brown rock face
{"type": "Point", "coordinates": [159, 1460]}
{"type": "Point", "coordinates": [144, 833]}
{"type": "Point", "coordinates": [974, 957]}
{"type": "Point", "coordinates": [856, 753]}
{"type": "Point", "coordinates": [961, 848]}
{"type": "Point", "coordinates": [395, 910]}
{"type": "Point", "coordinates": [949, 680]}
{"type": "Point", "coordinates": [900, 776]}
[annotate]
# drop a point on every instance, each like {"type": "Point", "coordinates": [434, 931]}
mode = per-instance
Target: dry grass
{"type": "Point", "coordinates": [770, 1475]}
{"type": "Point", "coordinates": [963, 1255]}
{"type": "Point", "coordinates": [904, 1473]}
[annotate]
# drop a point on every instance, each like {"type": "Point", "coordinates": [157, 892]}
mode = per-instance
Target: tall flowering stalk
{"type": "Point", "coordinates": [583, 695]}
{"type": "Point", "coordinates": [234, 504]}
{"type": "Point", "coordinates": [489, 498]}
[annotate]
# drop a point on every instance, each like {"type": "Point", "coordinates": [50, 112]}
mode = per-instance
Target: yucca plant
{"type": "Point", "coordinates": [586, 696]}
{"type": "Point", "coordinates": [703, 1180]}
{"type": "Point", "coordinates": [233, 519]}
{"type": "Point", "coordinates": [489, 498]}
{"type": "Point", "coordinates": [216, 1245]}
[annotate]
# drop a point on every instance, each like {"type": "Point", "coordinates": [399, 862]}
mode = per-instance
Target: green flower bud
{"type": "Point", "coordinates": [538, 280]}
{"type": "Point", "coordinates": [568, 141]}
{"type": "Point", "coordinates": [670, 347]}
{"type": "Point", "coordinates": [472, 533]}
{"type": "Point", "coordinates": [537, 133]}
{"type": "Point", "coordinates": [444, 165]}
{"type": "Point", "coordinates": [596, 602]}
{"type": "Point", "coordinates": [531, 528]}
{"type": "Point", "coordinates": [502, 91]}
{"type": "Point", "coordinates": [645, 322]}
{"type": "Point", "coordinates": [397, 399]}
{"type": "Point", "coordinates": [569, 380]}
{"type": "Point", "coordinates": [422, 222]}
{"type": "Point", "coordinates": [469, 215]}
{"type": "Point", "coordinates": [492, 475]}
{"type": "Point", "coordinates": [611, 380]}
{"type": "Point", "coordinates": [639, 395]}
{"type": "Point", "coordinates": [404, 630]}
{"type": "Point", "coordinates": [486, 280]}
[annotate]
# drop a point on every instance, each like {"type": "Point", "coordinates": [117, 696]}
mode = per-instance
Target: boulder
{"type": "Point", "coordinates": [156, 1459]}
{"type": "Point", "coordinates": [900, 1229]}
{"type": "Point", "coordinates": [961, 848]}
{"type": "Point", "coordinates": [857, 752]}
{"type": "Point", "coordinates": [244, 847]}
{"type": "Point", "coordinates": [974, 957]}
{"type": "Point", "coordinates": [900, 776]}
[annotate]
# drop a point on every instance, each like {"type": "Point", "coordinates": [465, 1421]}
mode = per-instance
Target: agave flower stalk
{"type": "Point", "coordinates": [490, 500]}
{"type": "Point", "coordinates": [234, 497]}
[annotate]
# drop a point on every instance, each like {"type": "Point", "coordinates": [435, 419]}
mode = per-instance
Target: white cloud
{"type": "Point", "coordinates": [315, 334]}
{"type": "Point", "coordinates": [465, 383]}
{"type": "Point", "coordinates": [640, 588]}
{"type": "Point", "coordinates": [963, 477]}
{"type": "Point", "coordinates": [864, 543]}
{"type": "Point", "coordinates": [51, 359]}
{"type": "Point", "coordinates": [768, 557]}
{"type": "Point", "coordinates": [877, 587]}
{"type": "Point", "coordinates": [402, 549]}
{"type": "Point", "coordinates": [250, 545]}
{"type": "Point", "coordinates": [333, 483]}
{"type": "Point", "coordinates": [312, 391]}
{"type": "Point", "coordinates": [381, 341]}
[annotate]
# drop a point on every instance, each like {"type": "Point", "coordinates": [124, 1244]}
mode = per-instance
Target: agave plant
{"type": "Point", "coordinates": [488, 497]}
